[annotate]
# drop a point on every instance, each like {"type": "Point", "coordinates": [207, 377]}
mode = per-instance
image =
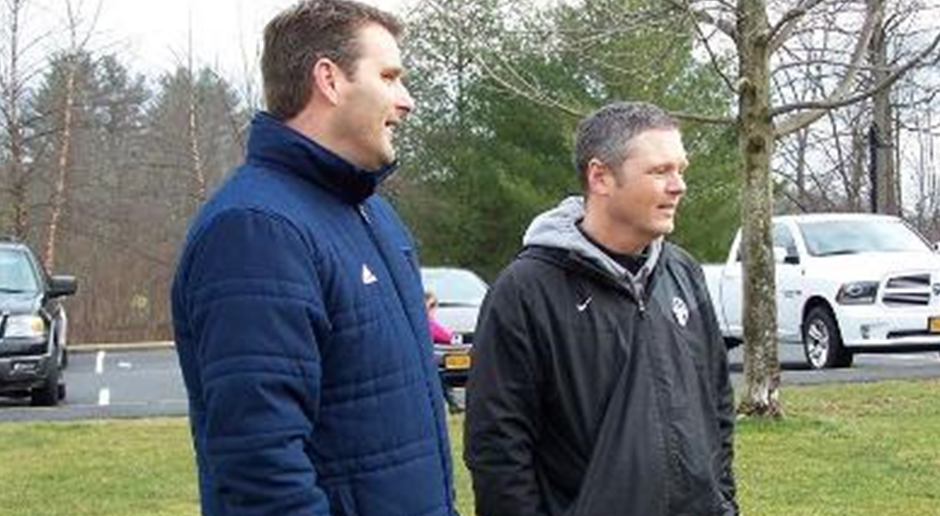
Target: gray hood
{"type": "Point", "coordinates": [557, 228]}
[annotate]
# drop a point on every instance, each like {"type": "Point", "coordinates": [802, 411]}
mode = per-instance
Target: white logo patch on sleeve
{"type": "Point", "coordinates": [681, 311]}
{"type": "Point", "coordinates": [367, 277]}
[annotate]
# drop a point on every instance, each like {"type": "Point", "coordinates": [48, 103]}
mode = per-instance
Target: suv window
{"type": "Point", "coordinates": [16, 272]}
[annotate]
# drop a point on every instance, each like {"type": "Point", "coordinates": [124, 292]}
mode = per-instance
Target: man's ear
{"type": "Point", "coordinates": [325, 75]}
{"type": "Point", "coordinates": [600, 177]}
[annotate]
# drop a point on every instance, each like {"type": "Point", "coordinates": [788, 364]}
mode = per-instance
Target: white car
{"type": "Point", "coordinates": [459, 295]}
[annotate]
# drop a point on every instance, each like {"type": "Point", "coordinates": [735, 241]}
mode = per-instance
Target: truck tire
{"type": "Point", "coordinates": [822, 341]}
{"type": "Point", "coordinates": [47, 395]}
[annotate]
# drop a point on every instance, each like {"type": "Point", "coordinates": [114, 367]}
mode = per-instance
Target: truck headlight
{"type": "Point", "coordinates": [858, 293]}
{"type": "Point", "coordinates": [25, 326]}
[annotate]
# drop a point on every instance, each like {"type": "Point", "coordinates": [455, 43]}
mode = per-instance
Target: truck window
{"type": "Point", "coordinates": [831, 237]}
{"type": "Point", "coordinates": [784, 238]}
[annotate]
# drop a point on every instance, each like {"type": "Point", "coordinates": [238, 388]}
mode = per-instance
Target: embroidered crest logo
{"type": "Point", "coordinates": [681, 311]}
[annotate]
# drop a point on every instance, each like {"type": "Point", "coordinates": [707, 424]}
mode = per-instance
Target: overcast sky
{"type": "Point", "coordinates": [151, 36]}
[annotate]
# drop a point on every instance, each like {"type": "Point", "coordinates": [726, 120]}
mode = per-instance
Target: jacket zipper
{"type": "Point", "coordinates": [638, 290]}
{"type": "Point", "coordinates": [365, 216]}
{"type": "Point", "coordinates": [372, 236]}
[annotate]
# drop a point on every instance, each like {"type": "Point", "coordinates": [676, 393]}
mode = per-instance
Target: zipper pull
{"type": "Point", "coordinates": [639, 290]}
{"type": "Point", "coordinates": [364, 214]}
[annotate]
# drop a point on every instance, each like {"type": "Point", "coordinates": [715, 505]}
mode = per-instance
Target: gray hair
{"type": "Point", "coordinates": [606, 134]}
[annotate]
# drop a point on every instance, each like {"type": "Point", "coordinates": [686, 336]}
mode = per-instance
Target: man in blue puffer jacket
{"type": "Point", "coordinates": [297, 306]}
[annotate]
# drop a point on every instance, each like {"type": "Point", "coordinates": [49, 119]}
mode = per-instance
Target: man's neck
{"type": "Point", "coordinates": [615, 239]}
{"type": "Point", "coordinates": [315, 124]}
{"type": "Point", "coordinates": [630, 261]}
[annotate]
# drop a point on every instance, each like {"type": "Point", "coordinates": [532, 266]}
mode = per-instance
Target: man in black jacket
{"type": "Point", "coordinates": [600, 385]}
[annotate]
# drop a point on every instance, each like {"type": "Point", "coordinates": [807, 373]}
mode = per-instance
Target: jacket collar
{"type": "Point", "coordinates": [274, 143]}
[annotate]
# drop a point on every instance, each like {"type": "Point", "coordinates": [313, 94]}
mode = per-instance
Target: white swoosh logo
{"type": "Point", "coordinates": [583, 305]}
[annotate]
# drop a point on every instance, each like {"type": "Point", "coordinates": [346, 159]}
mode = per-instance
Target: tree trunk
{"type": "Point", "coordinates": [802, 196]}
{"type": "Point", "coordinates": [198, 171]}
{"type": "Point", "coordinates": [854, 190]}
{"type": "Point", "coordinates": [761, 364]}
{"type": "Point", "coordinates": [13, 91]}
{"type": "Point", "coordinates": [58, 197]}
{"type": "Point", "coordinates": [883, 126]}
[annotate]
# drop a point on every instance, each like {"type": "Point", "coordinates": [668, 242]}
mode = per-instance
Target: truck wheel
{"type": "Point", "coordinates": [47, 395]}
{"type": "Point", "coordinates": [822, 341]}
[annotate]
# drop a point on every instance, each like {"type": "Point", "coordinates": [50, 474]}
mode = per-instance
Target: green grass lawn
{"type": "Point", "coordinates": [844, 450]}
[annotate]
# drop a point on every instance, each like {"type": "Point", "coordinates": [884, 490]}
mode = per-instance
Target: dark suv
{"type": "Point", "coordinates": [32, 326]}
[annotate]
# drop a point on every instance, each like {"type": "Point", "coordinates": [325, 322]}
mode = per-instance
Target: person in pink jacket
{"type": "Point", "coordinates": [440, 334]}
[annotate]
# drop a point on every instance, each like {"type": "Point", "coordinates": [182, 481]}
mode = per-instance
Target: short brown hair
{"type": "Point", "coordinates": [298, 37]}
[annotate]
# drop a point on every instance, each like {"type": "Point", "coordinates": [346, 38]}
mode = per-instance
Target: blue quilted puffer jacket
{"type": "Point", "coordinates": [303, 341]}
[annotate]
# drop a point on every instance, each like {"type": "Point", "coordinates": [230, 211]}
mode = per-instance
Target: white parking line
{"type": "Point", "coordinates": [104, 396]}
{"type": "Point", "coordinates": [901, 357]}
{"type": "Point", "coordinates": [99, 363]}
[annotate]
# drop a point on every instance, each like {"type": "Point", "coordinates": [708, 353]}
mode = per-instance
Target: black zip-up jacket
{"type": "Point", "coordinates": [597, 393]}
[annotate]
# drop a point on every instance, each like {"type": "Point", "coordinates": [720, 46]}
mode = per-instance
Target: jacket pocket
{"type": "Point", "coordinates": [694, 482]}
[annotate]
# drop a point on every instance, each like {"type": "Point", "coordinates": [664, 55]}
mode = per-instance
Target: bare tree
{"type": "Point", "coordinates": [756, 41]}
{"type": "Point", "coordinates": [197, 171]}
{"type": "Point", "coordinates": [16, 71]}
{"type": "Point", "coordinates": [77, 44]}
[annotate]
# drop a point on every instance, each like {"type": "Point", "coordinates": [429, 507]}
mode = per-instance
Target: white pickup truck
{"type": "Point", "coordinates": [846, 284]}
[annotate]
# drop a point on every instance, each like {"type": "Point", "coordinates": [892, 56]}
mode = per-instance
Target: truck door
{"type": "Point", "coordinates": [789, 278]}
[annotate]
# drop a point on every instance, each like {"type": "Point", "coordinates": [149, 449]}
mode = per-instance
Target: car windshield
{"type": "Point", "coordinates": [832, 237]}
{"type": "Point", "coordinates": [16, 272]}
{"type": "Point", "coordinates": [454, 286]}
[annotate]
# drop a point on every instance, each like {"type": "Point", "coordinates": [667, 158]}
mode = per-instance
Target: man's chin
{"type": "Point", "coordinates": [382, 161]}
{"type": "Point", "coordinates": [665, 228]}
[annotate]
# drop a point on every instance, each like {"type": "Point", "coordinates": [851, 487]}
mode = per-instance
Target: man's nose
{"type": "Point", "coordinates": [677, 184]}
{"type": "Point", "coordinates": [405, 102]}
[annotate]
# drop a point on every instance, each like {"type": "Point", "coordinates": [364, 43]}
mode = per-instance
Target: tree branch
{"type": "Point", "coordinates": [527, 91]}
{"type": "Point", "coordinates": [693, 117]}
{"type": "Point", "coordinates": [781, 31]}
{"type": "Point", "coordinates": [703, 16]}
{"type": "Point", "coordinates": [713, 58]}
{"type": "Point", "coordinates": [838, 99]}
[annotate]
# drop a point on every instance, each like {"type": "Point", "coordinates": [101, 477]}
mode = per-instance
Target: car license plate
{"type": "Point", "coordinates": [933, 324]}
{"type": "Point", "coordinates": [457, 361]}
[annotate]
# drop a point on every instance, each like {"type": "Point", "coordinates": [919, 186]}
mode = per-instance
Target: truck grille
{"type": "Point", "coordinates": [907, 290]}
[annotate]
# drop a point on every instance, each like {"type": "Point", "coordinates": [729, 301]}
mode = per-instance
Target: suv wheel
{"type": "Point", "coordinates": [47, 395]}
